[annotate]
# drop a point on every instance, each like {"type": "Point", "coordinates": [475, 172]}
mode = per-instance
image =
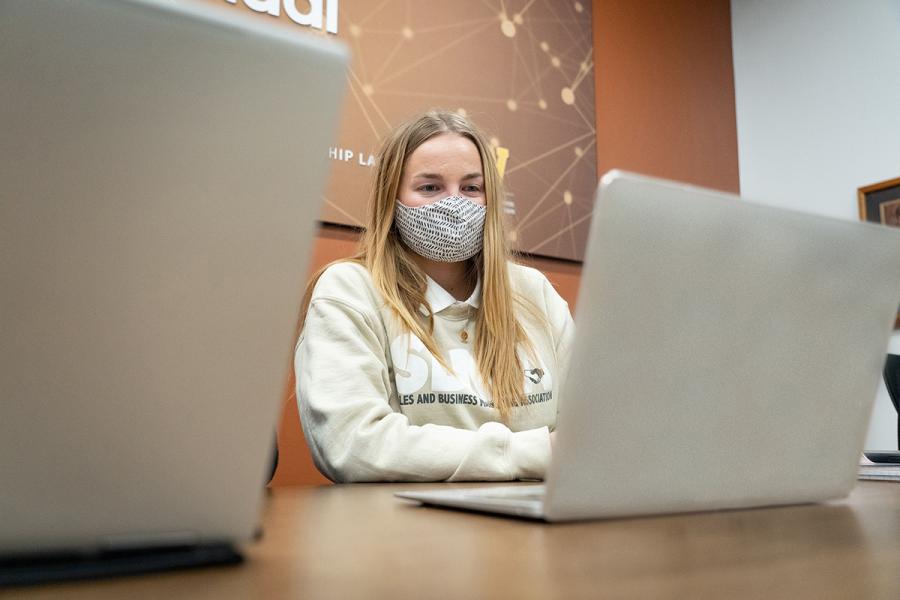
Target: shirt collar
{"type": "Point", "coordinates": [439, 298]}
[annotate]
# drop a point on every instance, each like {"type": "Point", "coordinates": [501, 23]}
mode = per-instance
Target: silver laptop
{"type": "Point", "coordinates": [161, 166]}
{"type": "Point", "coordinates": [727, 355]}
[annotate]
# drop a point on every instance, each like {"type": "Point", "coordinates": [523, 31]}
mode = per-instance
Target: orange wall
{"type": "Point", "coordinates": [294, 461]}
{"type": "Point", "coordinates": [665, 90]}
{"type": "Point", "coordinates": [665, 107]}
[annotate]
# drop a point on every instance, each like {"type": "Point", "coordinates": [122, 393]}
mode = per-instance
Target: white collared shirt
{"type": "Point", "coordinates": [439, 298]}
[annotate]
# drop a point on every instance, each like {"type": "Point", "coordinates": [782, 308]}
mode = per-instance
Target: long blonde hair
{"type": "Point", "coordinates": [402, 283]}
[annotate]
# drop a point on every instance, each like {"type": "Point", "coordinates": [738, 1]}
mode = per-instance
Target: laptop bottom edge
{"type": "Point", "coordinates": [23, 571]}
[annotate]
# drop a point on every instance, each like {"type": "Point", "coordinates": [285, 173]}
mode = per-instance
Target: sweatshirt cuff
{"type": "Point", "coordinates": [529, 453]}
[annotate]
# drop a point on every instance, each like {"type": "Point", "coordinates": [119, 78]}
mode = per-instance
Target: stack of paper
{"type": "Point", "coordinates": [880, 472]}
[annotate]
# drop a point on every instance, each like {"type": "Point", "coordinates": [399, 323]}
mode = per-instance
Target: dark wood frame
{"type": "Point", "coordinates": [864, 214]}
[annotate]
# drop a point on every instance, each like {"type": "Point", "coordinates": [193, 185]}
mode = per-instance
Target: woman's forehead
{"type": "Point", "coordinates": [443, 153]}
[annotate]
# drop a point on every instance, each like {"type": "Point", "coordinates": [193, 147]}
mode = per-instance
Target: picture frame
{"type": "Point", "coordinates": [880, 203]}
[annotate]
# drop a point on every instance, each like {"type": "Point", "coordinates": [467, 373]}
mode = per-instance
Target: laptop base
{"type": "Point", "coordinates": [522, 501]}
{"type": "Point", "coordinates": [33, 571]}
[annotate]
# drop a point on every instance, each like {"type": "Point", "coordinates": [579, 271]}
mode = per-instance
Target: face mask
{"type": "Point", "coordinates": [449, 230]}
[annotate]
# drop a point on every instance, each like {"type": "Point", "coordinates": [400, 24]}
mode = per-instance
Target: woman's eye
{"type": "Point", "coordinates": [428, 187]}
{"type": "Point", "coordinates": [473, 189]}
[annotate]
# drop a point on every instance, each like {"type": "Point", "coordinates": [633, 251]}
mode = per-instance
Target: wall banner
{"type": "Point", "coordinates": [523, 70]}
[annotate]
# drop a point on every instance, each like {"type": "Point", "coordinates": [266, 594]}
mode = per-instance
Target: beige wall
{"type": "Point", "coordinates": [665, 107]}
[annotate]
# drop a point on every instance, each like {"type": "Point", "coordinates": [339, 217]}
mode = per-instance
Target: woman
{"type": "Point", "coordinates": [429, 356]}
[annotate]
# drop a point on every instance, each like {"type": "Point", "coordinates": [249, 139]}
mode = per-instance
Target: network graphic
{"type": "Point", "coordinates": [521, 69]}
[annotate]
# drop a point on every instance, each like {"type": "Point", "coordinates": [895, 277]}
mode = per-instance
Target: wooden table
{"type": "Point", "coordinates": [357, 541]}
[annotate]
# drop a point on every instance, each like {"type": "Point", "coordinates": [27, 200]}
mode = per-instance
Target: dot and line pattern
{"type": "Point", "coordinates": [523, 70]}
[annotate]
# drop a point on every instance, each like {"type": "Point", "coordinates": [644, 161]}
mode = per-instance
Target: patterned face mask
{"type": "Point", "coordinates": [449, 230]}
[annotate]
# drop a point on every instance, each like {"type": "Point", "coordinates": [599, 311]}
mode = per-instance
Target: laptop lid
{"type": "Point", "coordinates": [727, 353]}
{"type": "Point", "coordinates": [160, 179]}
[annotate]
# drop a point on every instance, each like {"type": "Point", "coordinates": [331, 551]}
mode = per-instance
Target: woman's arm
{"type": "Point", "coordinates": [562, 328]}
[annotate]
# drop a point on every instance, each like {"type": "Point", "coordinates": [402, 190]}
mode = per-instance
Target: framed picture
{"type": "Point", "coordinates": [880, 203]}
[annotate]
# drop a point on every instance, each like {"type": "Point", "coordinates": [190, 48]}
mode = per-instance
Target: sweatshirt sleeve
{"type": "Point", "coordinates": [343, 389]}
{"type": "Point", "coordinates": [562, 328]}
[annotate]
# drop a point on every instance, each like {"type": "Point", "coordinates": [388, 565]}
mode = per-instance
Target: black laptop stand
{"type": "Point", "coordinates": [892, 383]}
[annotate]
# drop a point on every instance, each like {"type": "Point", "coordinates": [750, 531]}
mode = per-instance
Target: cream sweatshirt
{"type": "Point", "coordinates": [376, 406]}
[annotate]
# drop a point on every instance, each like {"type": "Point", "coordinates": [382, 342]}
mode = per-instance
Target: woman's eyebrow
{"type": "Point", "coordinates": [427, 176]}
{"type": "Point", "coordinates": [473, 176]}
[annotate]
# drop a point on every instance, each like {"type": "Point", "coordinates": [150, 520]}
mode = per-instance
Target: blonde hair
{"type": "Point", "coordinates": [402, 283]}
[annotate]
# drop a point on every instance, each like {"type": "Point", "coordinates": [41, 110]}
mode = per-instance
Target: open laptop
{"type": "Point", "coordinates": [727, 355]}
{"type": "Point", "coordinates": [161, 166]}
